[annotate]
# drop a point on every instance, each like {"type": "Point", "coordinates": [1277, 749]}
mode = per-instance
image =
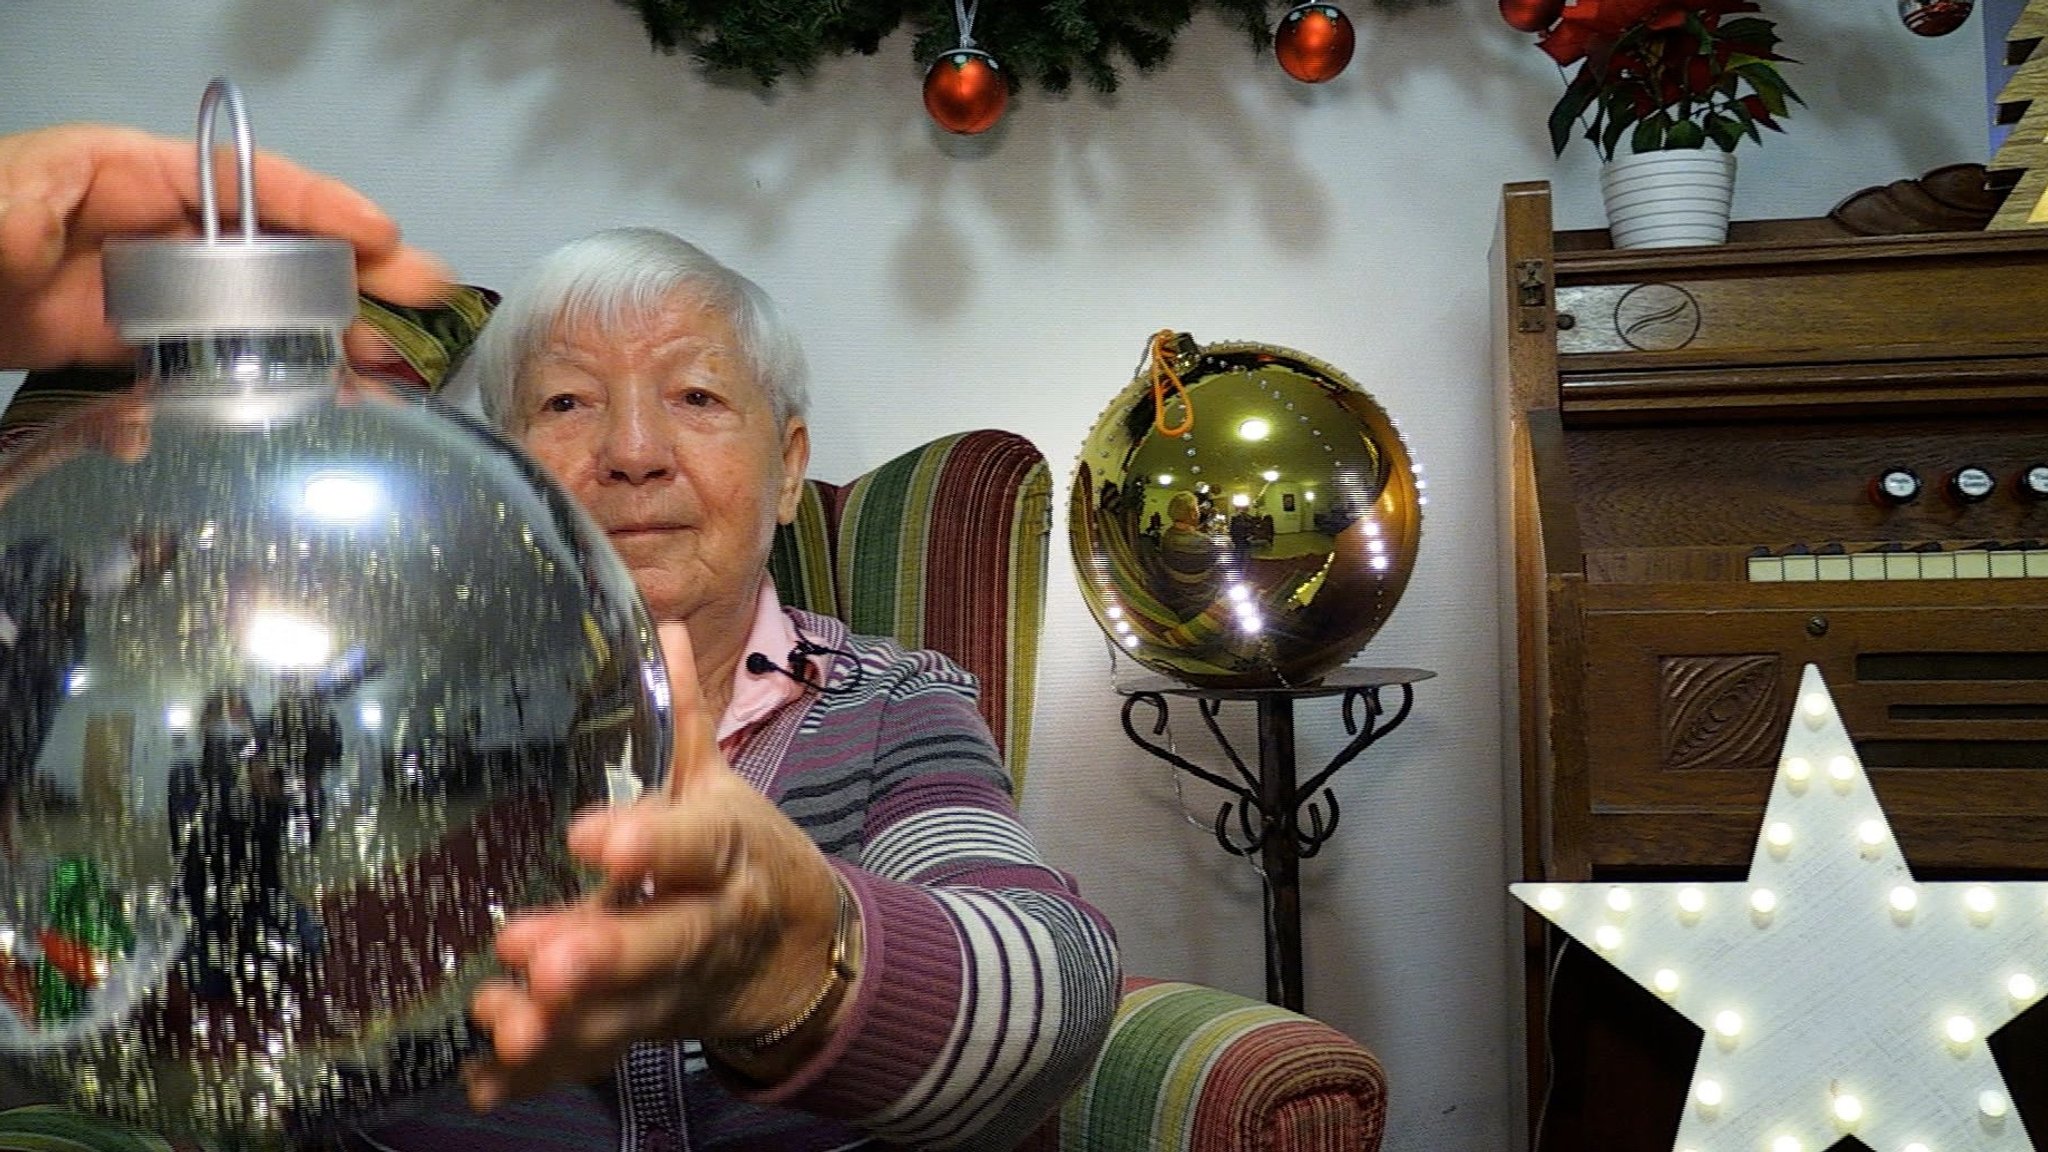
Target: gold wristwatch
{"type": "Point", "coordinates": [843, 966]}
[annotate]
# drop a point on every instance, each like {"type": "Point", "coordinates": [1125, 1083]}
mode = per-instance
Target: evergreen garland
{"type": "Point", "coordinates": [1048, 41]}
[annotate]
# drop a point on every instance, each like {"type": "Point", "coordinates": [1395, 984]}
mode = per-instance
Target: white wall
{"type": "Point", "coordinates": [1011, 282]}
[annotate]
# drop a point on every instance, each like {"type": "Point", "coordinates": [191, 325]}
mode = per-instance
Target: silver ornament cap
{"type": "Point", "coordinates": [160, 289]}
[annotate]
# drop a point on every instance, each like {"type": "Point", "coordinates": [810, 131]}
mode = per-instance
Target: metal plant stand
{"type": "Point", "coordinates": [1274, 814]}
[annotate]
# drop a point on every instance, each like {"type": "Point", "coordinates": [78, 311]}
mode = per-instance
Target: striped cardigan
{"type": "Point", "coordinates": [987, 984]}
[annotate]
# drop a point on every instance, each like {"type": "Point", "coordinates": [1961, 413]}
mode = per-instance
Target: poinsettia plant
{"type": "Point", "coordinates": [1666, 74]}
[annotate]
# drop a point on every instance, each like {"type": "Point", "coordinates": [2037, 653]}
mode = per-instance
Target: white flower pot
{"type": "Point", "coordinates": [1668, 199]}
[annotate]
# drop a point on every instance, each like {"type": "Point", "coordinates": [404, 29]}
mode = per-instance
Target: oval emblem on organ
{"type": "Point", "coordinates": [1657, 317]}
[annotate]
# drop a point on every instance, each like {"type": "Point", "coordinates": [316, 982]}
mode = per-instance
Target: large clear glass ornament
{"type": "Point", "coordinates": [300, 681]}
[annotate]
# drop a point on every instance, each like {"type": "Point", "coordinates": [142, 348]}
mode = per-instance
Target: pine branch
{"type": "Point", "coordinates": [1048, 42]}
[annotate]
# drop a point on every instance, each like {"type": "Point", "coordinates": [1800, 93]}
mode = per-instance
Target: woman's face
{"type": "Point", "coordinates": [664, 436]}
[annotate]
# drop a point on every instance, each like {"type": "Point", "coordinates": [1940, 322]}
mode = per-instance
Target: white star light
{"type": "Point", "coordinates": [1839, 995]}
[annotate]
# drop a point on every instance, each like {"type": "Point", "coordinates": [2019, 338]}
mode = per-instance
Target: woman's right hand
{"type": "Point", "coordinates": [732, 940]}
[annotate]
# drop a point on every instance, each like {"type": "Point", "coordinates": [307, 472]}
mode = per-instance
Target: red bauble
{"type": "Point", "coordinates": [1314, 42]}
{"type": "Point", "coordinates": [965, 91]}
{"type": "Point", "coordinates": [1531, 15]}
{"type": "Point", "coordinates": [1934, 17]}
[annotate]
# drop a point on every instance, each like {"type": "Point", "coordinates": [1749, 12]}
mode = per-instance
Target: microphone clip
{"type": "Point", "coordinates": [799, 663]}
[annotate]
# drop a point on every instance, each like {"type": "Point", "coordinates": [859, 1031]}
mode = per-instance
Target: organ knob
{"type": "Point", "coordinates": [1970, 484]}
{"type": "Point", "coordinates": [2034, 482]}
{"type": "Point", "coordinates": [1895, 486]}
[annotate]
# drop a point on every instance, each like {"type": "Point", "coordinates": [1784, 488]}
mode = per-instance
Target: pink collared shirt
{"type": "Point", "coordinates": [757, 696]}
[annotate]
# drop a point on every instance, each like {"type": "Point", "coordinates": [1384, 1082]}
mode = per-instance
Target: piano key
{"type": "Point", "coordinates": [1896, 560]}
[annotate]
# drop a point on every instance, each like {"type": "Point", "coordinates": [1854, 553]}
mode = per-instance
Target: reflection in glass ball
{"type": "Point", "coordinates": [1262, 546]}
{"type": "Point", "coordinates": [302, 685]}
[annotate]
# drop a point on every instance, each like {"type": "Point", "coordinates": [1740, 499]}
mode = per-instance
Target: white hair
{"type": "Point", "coordinates": [608, 278]}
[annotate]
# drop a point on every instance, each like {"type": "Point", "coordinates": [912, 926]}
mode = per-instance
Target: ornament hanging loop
{"type": "Point", "coordinates": [1163, 356]}
{"type": "Point", "coordinates": [963, 18]}
{"type": "Point", "coordinates": [222, 91]}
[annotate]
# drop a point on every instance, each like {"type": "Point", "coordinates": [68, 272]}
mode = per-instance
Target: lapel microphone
{"type": "Point", "coordinates": [798, 667]}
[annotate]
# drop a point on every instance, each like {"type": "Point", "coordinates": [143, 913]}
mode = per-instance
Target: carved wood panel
{"type": "Point", "coordinates": [1720, 712]}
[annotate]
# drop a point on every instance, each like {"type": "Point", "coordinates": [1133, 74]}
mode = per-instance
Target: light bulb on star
{"type": "Point", "coordinates": [1830, 966]}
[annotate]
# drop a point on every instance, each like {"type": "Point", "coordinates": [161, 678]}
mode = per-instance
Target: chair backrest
{"type": "Point", "coordinates": [425, 345]}
{"type": "Point", "coordinates": [944, 548]}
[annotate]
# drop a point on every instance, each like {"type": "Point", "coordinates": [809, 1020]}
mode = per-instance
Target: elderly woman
{"type": "Point", "coordinates": [846, 932]}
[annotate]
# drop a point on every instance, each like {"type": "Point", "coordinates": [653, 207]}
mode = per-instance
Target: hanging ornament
{"type": "Point", "coordinates": [1314, 42]}
{"type": "Point", "coordinates": [965, 90]}
{"type": "Point", "coordinates": [1531, 15]}
{"type": "Point", "coordinates": [1934, 17]}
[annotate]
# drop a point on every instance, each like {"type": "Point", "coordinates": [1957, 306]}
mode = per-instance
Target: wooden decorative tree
{"type": "Point", "coordinates": [2023, 103]}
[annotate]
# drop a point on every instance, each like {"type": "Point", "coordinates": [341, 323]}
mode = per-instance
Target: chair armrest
{"type": "Point", "coordinates": [1188, 1067]}
{"type": "Point", "coordinates": [45, 1127]}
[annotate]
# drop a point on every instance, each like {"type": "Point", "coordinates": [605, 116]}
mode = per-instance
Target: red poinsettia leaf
{"type": "Point", "coordinates": [1618, 15]}
{"type": "Point", "coordinates": [1712, 12]}
{"type": "Point", "coordinates": [1612, 17]}
{"type": "Point", "coordinates": [1566, 43]}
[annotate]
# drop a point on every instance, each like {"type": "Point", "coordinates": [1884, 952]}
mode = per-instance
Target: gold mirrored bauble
{"type": "Point", "coordinates": [1262, 546]}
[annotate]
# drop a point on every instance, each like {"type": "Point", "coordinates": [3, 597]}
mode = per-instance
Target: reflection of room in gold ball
{"type": "Point", "coordinates": [1243, 515]}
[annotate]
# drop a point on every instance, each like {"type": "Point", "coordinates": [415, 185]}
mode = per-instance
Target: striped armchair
{"type": "Point", "coordinates": [945, 548]}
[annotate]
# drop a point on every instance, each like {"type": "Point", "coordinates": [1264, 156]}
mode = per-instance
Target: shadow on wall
{"type": "Point", "coordinates": [1164, 168]}
{"type": "Point", "coordinates": [1871, 71]}
{"type": "Point", "coordinates": [1201, 148]}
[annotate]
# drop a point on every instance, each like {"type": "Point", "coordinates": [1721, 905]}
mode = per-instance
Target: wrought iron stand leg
{"type": "Point", "coordinates": [1281, 852]}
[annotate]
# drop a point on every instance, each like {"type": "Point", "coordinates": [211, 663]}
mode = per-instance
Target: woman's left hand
{"type": "Point", "coordinates": [731, 939]}
{"type": "Point", "coordinates": [64, 190]}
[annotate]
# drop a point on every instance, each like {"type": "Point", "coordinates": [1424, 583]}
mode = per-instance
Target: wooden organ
{"type": "Point", "coordinates": [1722, 464]}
